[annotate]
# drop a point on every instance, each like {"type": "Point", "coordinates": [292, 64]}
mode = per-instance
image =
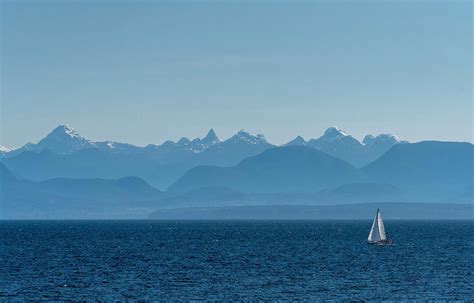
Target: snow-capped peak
{"type": "Point", "coordinates": [116, 146]}
{"type": "Point", "coordinates": [67, 130]}
{"type": "Point", "coordinates": [334, 138]}
{"type": "Point", "coordinates": [244, 136]}
{"type": "Point", "coordinates": [335, 131]}
{"type": "Point", "coordinates": [63, 139]}
{"type": "Point", "coordinates": [4, 149]}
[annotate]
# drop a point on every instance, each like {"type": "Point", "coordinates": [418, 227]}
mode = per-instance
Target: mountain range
{"type": "Point", "coordinates": [339, 144]}
{"type": "Point", "coordinates": [65, 153]}
{"type": "Point", "coordinates": [65, 175]}
{"type": "Point", "coordinates": [336, 142]}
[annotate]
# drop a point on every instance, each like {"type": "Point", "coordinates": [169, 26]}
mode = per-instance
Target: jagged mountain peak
{"type": "Point", "coordinates": [211, 134]}
{"type": "Point", "coordinates": [211, 138]}
{"type": "Point", "coordinates": [63, 139]}
{"type": "Point", "coordinates": [65, 129]}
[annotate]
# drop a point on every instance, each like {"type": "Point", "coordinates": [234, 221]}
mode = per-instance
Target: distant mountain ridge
{"type": "Point", "coordinates": [430, 169]}
{"type": "Point", "coordinates": [63, 197]}
{"type": "Point", "coordinates": [424, 172]}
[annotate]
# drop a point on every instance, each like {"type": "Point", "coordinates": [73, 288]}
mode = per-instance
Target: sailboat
{"type": "Point", "coordinates": [377, 232]}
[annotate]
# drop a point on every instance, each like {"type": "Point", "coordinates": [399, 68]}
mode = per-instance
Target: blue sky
{"type": "Point", "coordinates": [148, 71]}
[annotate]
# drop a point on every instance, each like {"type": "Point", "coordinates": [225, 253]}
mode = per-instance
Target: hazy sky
{"type": "Point", "coordinates": [143, 72]}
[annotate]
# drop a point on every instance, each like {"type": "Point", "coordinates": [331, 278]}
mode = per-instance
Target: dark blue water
{"type": "Point", "coordinates": [232, 260]}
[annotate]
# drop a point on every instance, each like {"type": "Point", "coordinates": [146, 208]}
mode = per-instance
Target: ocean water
{"type": "Point", "coordinates": [234, 260]}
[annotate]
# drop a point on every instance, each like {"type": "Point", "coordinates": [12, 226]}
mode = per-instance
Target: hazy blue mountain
{"type": "Point", "coordinates": [75, 198]}
{"type": "Point", "coordinates": [281, 169]}
{"type": "Point", "coordinates": [338, 143]}
{"type": "Point", "coordinates": [19, 197]}
{"type": "Point", "coordinates": [129, 188]}
{"type": "Point", "coordinates": [46, 164]}
{"type": "Point", "coordinates": [429, 169]}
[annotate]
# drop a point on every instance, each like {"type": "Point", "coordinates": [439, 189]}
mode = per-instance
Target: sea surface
{"type": "Point", "coordinates": [234, 260]}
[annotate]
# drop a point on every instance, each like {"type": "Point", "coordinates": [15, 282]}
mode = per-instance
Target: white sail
{"type": "Point", "coordinates": [381, 226]}
{"type": "Point", "coordinates": [374, 231]}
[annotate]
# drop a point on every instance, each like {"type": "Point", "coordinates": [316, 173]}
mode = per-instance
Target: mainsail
{"type": "Point", "coordinates": [381, 227]}
{"type": "Point", "coordinates": [377, 232]}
